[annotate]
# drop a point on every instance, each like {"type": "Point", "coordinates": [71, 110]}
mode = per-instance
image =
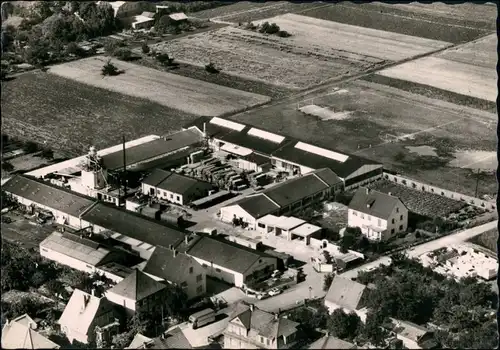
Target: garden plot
{"type": "Point", "coordinates": [461, 78]}
{"type": "Point", "coordinates": [174, 91]}
{"type": "Point", "coordinates": [317, 50]}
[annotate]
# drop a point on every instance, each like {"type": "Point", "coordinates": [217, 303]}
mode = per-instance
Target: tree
{"type": "Point", "coordinates": [47, 153]}
{"type": "Point", "coordinates": [74, 49]}
{"type": "Point", "coordinates": [27, 305]}
{"type": "Point", "coordinates": [145, 48]}
{"type": "Point", "coordinates": [284, 34]}
{"type": "Point", "coordinates": [7, 166]}
{"type": "Point", "coordinates": [344, 326]}
{"type": "Point", "coordinates": [327, 281]}
{"type": "Point", "coordinates": [37, 279]}
{"type": "Point", "coordinates": [109, 69]}
{"type": "Point", "coordinates": [30, 147]}
{"type": "Point", "coordinates": [122, 340]}
{"type": "Point", "coordinates": [373, 330]}
{"type": "Point", "coordinates": [55, 287]}
{"type": "Point", "coordinates": [164, 59]}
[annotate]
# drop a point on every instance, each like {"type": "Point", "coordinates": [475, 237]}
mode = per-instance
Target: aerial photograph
{"type": "Point", "coordinates": [249, 175]}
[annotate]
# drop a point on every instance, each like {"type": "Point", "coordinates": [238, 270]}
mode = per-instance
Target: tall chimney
{"type": "Point", "coordinates": [124, 169]}
{"type": "Point", "coordinates": [93, 292]}
{"type": "Point", "coordinates": [205, 129]}
{"type": "Point", "coordinates": [186, 239]}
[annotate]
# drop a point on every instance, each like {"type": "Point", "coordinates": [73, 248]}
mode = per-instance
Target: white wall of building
{"type": "Point", "coordinates": [66, 260]}
{"type": "Point", "coordinates": [73, 334]}
{"type": "Point", "coordinates": [163, 194]}
{"type": "Point", "coordinates": [120, 300]}
{"type": "Point", "coordinates": [227, 214]}
{"type": "Point", "coordinates": [220, 272]}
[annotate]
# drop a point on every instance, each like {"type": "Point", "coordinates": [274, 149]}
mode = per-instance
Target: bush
{"type": "Point", "coordinates": [165, 59]}
{"type": "Point", "coordinates": [145, 48]}
{"type": "Point", "coordinates": [250, 26]}
{"type": "Point", "coordinates": [123, 53]}
{"type": "Point", "coordinates": [74, 49]}
{"type": "Point", "coordinates": [30, 147]}
{"type": "Point", "coordinates": [267, 28]}
{"type": "Point", "coordinates": [284, 34]}
{"type": "Point", "coordinates": [109, 69]}
{"type": "Point", "coordinates": [47, 153]}
{"type": "Point", "coordinates": [327, 281]}
{"type": "Point", "coordinates": [210, 68]}
{"type": "Point", "coordinates": [7, 166]}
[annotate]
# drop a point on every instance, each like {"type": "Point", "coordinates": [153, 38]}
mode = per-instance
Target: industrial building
{"type": "Point", "coordinates": [285, 153]}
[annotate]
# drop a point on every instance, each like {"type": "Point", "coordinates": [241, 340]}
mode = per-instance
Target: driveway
{"type": "Point", "coordinates": [418, 250]}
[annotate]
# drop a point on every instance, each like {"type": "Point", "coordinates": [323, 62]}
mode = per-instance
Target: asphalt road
{"type": "Point", "coordinates": [416, 251]}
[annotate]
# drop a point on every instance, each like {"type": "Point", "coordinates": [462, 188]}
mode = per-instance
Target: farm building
{"type": "Point", "coordinates": [84, 312]}
{"type": "Point", "coordinates": [174, 187]}
{"type": "Point", "coordinates": [144, 21]}
{"type": "Point", "coordinates": [141, 233]}
{"type": "Point", "coordinates": [347, 295]}
{"type": "Point", "coordinates": [284, 198]}
{"type": "Point", "coordinates": [379, 216]}
{"type": "Point", "coordinates": [285, 153]}
{"type": "Point", "coordinates": [179, 17]}
{"type": "Point", "coordinates": [187, 274]}
{"type": "Point", "coordinates": [65, 205]}
{"type": "Point", "coordinates": [230, 262]}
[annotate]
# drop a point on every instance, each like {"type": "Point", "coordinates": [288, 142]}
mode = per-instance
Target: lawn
{"type": "Point", "coordinates": [71, 116]}
{"type": "Point", "coordinates": [185, 94]}
{"type": "Point", "coordinates": [468, 22]}
{"type": "Point", "coordinates": [382, 122]}
{"type": "Point", "coordinates": [317, 51]}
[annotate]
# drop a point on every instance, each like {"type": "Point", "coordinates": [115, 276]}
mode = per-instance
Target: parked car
{"type": "Point", "coordinates": [276, 273]}
{"type": "Point", "coordinates": [275, 291]}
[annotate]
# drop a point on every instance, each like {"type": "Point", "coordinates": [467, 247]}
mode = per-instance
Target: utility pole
{"type": "Point", "coordinates": [477, 182]}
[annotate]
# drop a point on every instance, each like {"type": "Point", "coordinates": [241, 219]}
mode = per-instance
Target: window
{"type": "Point", "coordinates": [369, 218]}
{"type": "Point", "coordinates": [260, 260]}
{"type": "Point", "coordinates": [199, 290]}
{"type": "Point", "coordinates": [401, 218]}
{"type": "Point", "coordinates": [262, 340]}
{"type": "Point", "coordinates": [178, 198]}
{"type": "Point", "coordinates": [89, 267]}
{"type": "Point", "coordinates": [199, 278]}
{"type": "Point", "coordinates": [261, 225]}
{"type": "Point", "coordinates": [400, 227]}
{"type": "Point", "coordinates": [171, 196]}
{"type": "Point", "coordinates": [362, 216]}
{"type": "Point", "coordinates": [268, 342]}
{"type": "Point", "coordinates": [355, 213]}
{"type": "Point", "coordinates": [397, 210]}
{"type": "Point", "coordinates": [392, 231]}
{"type": "Point", "coordinates": [392, 220]}
{"type": "Point", "coordinates": [218, 270]}
{"type": "Point", "coordinates": [164, 194]}
{"type": "Point", "coordinates": [191, 269]}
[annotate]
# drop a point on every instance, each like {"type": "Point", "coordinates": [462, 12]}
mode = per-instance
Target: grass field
{"type": "Point", "coordinates": [317, 50]}
{"type": "Point", "coordinates": [174, 91]}
{"type": "Point", "coordinates": [487, 240]}
{"type": "Point", "coordinates": [380, 114]}
{"type": "Point", "coordinates": [451, 23]}
{"type": "Point", "coordinates": [72, 116]}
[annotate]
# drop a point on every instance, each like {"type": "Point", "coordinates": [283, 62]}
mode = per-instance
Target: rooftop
{"type": "Point", "coordinates": [284, 222]}
{"type": "Point", "coordinates": [52, 196]}
{"type": "Point", "coordinates": [257, 205]}
{"type": "Point", "coordinates": [78, 248]}
{"type": "Point", "coordinates": [409, 329]}
{"type": "Point", "coordinates": [224, 253]}
{"type": "Point", "coordinates": [17, 334]}
{"type": "Point", "coordinates": [331, 342]}
{"type": "Point", "coordinates": [161, 262]}
{"type": "Point", "coordinates": [305, 230]}
{"type": "Point", "coordinates": [346, 293]}
{"type": "Point", "coordinates": [373, 203]}
{"type": "Point", "coordinates": [133, 225]}
{"type": "Point", "coordinates": [137, 286]}
{"type": "Point", "coordinates": [176, 183]}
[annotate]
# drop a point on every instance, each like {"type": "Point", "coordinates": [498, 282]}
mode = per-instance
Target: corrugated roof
{"type": "Point", "coordinates": [77, 250]}
{"type": "Point", "coordinates": [152, 149]}
{"type": "Point", "coordinates": [373, 203]}
{"type": "Point", "coordinates": [81, 310]}
{"type": "Point", "coordinates": [224, 253]}
{"type": "Point", "coordinates": [345, 293]}
{"type": "Point", "coordinates": [137, 286]}
{"type": "Point", "coordinates": [161, 262]}
{"type": "Point", "coordinates": [16, 335]}
{"type": "Point", "coordinates": [47, 194]}
{"type": "Point", "coordinates": [328, 176]}
{"type": "Point", "coordinates": [133, 225]}
{"type": "Point", "coordinates": [331, 342]}
{"type": "Point", "coordinates": [265, 323]}
{"type": "Point", "coordinates": [257, 159]}
{"type": "Point", "coordinates": [176, 183]}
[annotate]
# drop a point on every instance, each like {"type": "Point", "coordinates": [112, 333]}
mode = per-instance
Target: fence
{"type": "Point", "coordinates": [420, 186]}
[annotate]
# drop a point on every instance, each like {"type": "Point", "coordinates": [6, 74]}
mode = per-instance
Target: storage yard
{"type": "Point", "coordinates": [174, 91]}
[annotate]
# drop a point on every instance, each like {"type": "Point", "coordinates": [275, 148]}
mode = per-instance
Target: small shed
{"type": "Point", "coordinates": [178, 17]}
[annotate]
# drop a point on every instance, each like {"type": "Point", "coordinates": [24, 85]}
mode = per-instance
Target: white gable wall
{"type": "Point", "coordinates": [227, 214]}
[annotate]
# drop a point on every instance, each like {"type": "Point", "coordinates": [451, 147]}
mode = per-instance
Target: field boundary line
{"type": "Point", "coordinates": [312, 8]}
{"type": "Point", "coordinates": [247, 11]}
{"type": "Point", "coordinates": [475, 162]}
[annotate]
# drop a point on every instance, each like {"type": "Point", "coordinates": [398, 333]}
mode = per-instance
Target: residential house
{"type": "Point", "coordinates": [188, 273]}
{"type": "Point", "coordinates": [175, 188]}
{"type": "Point", "coordinates": [230, 262]}
{"type": "Point", "coordinates": [348, 295]}
{"type": "Point", "coordinates": [138, 292]}
{"type": "Point", "coordinates": [331, 342]}
{"type": "Point", "coordinates": [252, 328]}
{"type": "Point", "coordinates": [284, 198]}
{"type": "Point", "coordinates": [20, 333]}
{"type": "Point", "coordinates": [66, 206]}
{"type": "Point", "coordinates": [84, 312]}
{"type": "Point", "coordinates": [412, 335]}
{"type": "Point", "coordinates": [174, 338]}
{"type": "Point", "coordinates": [380, 216]}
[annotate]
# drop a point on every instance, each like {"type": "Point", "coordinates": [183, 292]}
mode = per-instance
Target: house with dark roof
{"type": "Point", "coordinates": [188, 273]}
{"type": "Point", "coordinates": [174, 338]}
{"type": "Point", "coordinates": [20, 333]}
{"type": "Point", "coordinates": [412, 335]}
{"type": "Point", "coordinates": [252, 328]}
{"type": "Point", "coordinates": [380, 216]}
{"type": "Point", "coordinates": [347, 295]}
{"type": "Point", "coordinates": [66, 206]}
{"type": "Point", "coordinates": [138, 291]}
{"type": "Point", "coordinates": [84, 312]}
{"type": "Point", "coordinates": [230, 262]}
{"type": "Point", "coordinates": [175, 188]}
{"type": "Point", "coordinates": [284, 198]}
{"type": "Point", "coordinates": [286, 153]}
{"type": "Point", "coordinates": [141, 233]}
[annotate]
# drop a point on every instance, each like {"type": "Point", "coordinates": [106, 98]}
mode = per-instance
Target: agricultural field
{"type": "Point", "coordinates": [317, 51]}
{"type": "Point", "coordinates": [71, 116]}
{"type": "Point", "coordinates": [234, 9]}
{"type": "Point", "coordinates": [174, 91]}
{"type": "Point", "coordinates": [456, 23]}
{"type": "Point", "coordinates": [383, 123]}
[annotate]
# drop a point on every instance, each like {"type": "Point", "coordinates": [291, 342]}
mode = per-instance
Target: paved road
{"type": "Point", "coordinates": [416, 251]}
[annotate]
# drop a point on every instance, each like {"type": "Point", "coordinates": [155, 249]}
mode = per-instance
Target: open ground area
{"type": "Point", "coordinates": [71, 116]}
{"type": "Point", "coordinates": [455, 23]}
{"type": "Point", "coordinates": [174, 91]}
{"type": "Point", "coordinates": [383, 122]}
{"type": "Point", "coordinates": [317, 50]}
